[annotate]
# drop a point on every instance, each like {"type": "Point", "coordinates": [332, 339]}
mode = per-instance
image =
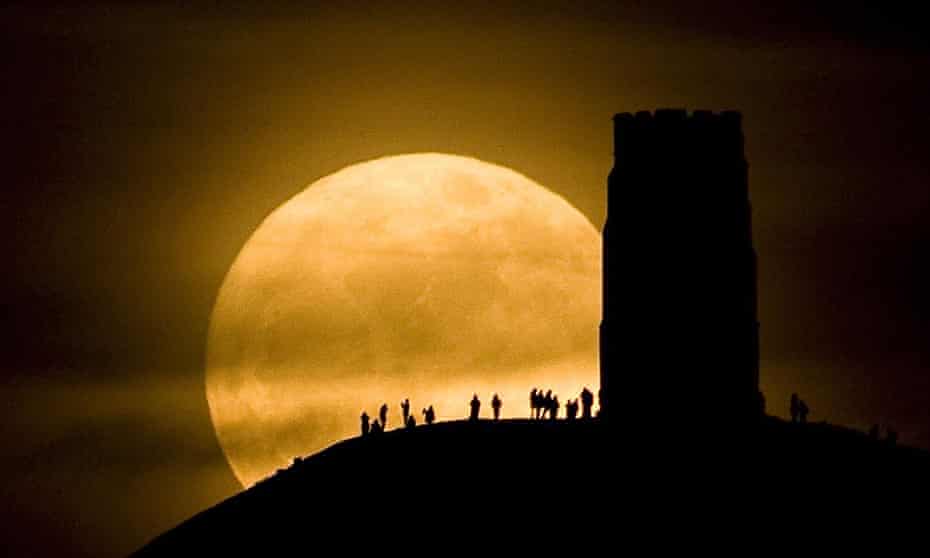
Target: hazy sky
{"type": "Point", "coordinates": [144, 144]}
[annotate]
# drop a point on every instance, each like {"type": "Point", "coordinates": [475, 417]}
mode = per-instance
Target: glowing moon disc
{"type": "Point", "coordinates": [426, 276]}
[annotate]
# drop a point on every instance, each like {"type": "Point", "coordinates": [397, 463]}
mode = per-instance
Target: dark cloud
{"type": "Point", "coordinates": [82, 460]}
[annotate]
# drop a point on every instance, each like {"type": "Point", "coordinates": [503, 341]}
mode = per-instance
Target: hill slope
{"type": "Point", "coordinates": [567, 478]}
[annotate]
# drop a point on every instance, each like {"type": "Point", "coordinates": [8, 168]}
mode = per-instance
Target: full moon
{"type": "Point", "coordinates": [424, 276]}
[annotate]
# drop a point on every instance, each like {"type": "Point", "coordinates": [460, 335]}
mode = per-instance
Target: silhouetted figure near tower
{"type": "Point", "coordinates": [429, 415]}
{"type": "Point", "coordinates": [803, 410]}
{"type": "Point", "coordinates": [891, 436]}
{"type": "Point", "coordinates": [587, 402]}
{"type": "Point", "coordinates": [795, 407]}
{"type": "Point", "coordinates": [554, 407]}
{"type": "Point", "coordinates": [475, 405]}
{"type": "Point", "coordinates": [496, 406]}
{"type": "Point", "coordinates": [534, 404]}
{"type": "Point", "coordinates": [405, 409]}
{"type": "Point", "coordinates": [571, 409]}
{"type": "Point", "coordinates": [382, 414]}
{"type": "Point", "coordinates": [365, 426]}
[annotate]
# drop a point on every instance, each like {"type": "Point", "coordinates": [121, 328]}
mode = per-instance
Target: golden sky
{"type": "Point", "coordinates": [147, 142]}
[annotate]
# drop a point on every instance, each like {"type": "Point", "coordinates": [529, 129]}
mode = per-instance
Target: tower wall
{"type": "Point", "coordinates": [679, 334]}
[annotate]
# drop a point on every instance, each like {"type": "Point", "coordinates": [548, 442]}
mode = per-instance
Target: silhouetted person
{"type": "Point", "coordinates": [410, 422]}
{"type": "Point", "coordinates": [365, 426]}
{"type": "Point", "coordinates": [795, 407]}
{"type": "Point", "coordinates": [534, 403]}
{"type": "Point", "coordinates": [587, 401]}
{"type": "Point", "coordinates": [475, 407]}
{"type": "Point", "coordinates": [405, 409]}
{"type": "Point", "coordinates": [891, 436]}
{"type": "Point", "coordinates": [376, 428]}
{"type": "Point", "coordinates": [873, 432]}
{"type": "Point", "coordinates": [382, 414]}
{"type": "Point", "coordinates": [496, 405]}
{"type": "Point", "coordinates": [803, 410]}
{"type": "Point", "coordinates": [429, 415]}
{"type": "Point", "coordinates": [546, 403]}
{"type": "Point", "coordinates": [571, 409]}
{"type": "Point", "coordinates": [554, 407]}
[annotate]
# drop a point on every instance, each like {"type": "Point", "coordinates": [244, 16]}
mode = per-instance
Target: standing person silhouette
{"type": "Point", "coordinates": [365, 426]}
{"type": "Point", "coordinates": [496, 405]}
{"type": "Point", "coordinates": [534, 399]}
{"type": "Point", "coordinates": [554, 407]}
{"type": "Point", "coordinates": [891, 436]}
{"type": "Point", "coordinates": [475, 407]}
{"type": "Point", "coordinates": [571, 409]}
{"type": "Point", "coordinates": [405, 409]}
{"type": "Point", "coordinates": [382, 414]}
{"type": "Point", "coordinates": [587, 402]}
{"type": "Point", "coordinates": [429, 415]}
{"type": "Point", "coordinates": [802, 411]}
{"type": "Point", "coordinates": [795, 407]}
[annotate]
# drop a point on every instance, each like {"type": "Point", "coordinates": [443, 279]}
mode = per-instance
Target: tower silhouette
{"type": "Point", "coordinates": [679, 337]}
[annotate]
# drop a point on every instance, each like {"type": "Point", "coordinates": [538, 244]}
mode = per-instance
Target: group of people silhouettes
{"type": "Point", "coordinates": [799, 411]}
{"type": "Point", "coordinates": [546, 405]}
{"type": "Point", "coordinates": [409, 421]}
{"type": "Point", "coordinates": [542, 406]}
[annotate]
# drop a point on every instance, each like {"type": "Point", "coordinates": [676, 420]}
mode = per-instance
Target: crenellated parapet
{"type": "Point", "coordinates": [676, 134]}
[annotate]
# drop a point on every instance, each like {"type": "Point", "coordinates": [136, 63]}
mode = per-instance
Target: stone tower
{"type": "Point", "coordinates": [679, 332]}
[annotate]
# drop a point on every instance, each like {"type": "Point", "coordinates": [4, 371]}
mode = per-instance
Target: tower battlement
{"type": "Point", "coordinates": [701, 133]}
{"type": "Point", "coordinates": [676, 115]}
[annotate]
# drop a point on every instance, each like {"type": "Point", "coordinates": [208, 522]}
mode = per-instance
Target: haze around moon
{"type": "Point", "coordinates": [424, 276]}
